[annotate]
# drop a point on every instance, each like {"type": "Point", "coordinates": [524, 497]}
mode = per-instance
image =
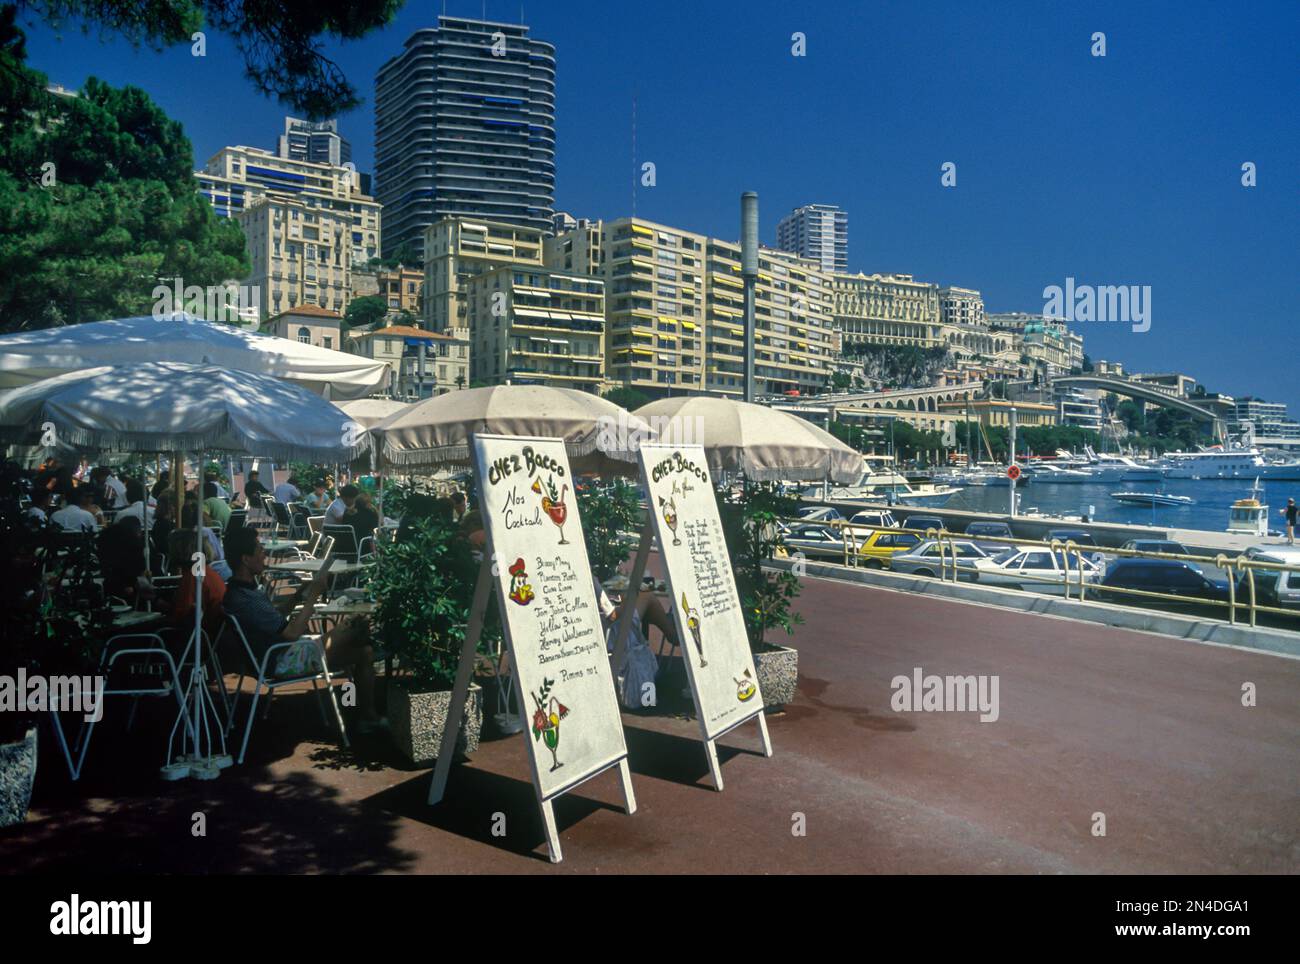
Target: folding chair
{"type": "Point", "coordinates": [345, 541]}
{"type": "Point", "coordinates": [271, 683]}
{"type": "Point", "coordinates": [170, 685]}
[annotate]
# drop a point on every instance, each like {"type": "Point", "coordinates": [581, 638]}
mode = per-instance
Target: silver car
{"type": "Point", "coordinates": [927, 559]}
{"type": "Point", "coordinates": [1039, 570]}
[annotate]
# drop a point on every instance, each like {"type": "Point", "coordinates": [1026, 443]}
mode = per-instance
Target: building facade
{"type": "Point", "coordinates": [316, 141]}
{"type": "Point", "coordinates": [309, 325]}
{"type": "Point", "coordinates": [458, 249]}
{"type": "Point", "coordinates": [531, 326]}
{"type": "Point", "coordinates": [674, 308]}
{"type": "Point", "coordinates": [818, 232]}
{"type": "Point", "coordinates": [465, 127]}
{"type": "Point", "coordinates": [962, 307]}
{"type": "Point", "coordinates": [420, 363]}
{"type": "Point", "coordinates": [886, 310]}
{"type": "Point", "coordinates": [305, 224]}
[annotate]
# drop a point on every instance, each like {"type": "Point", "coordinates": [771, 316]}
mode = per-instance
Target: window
{"type": "Point", "coordinates": [326, 342]}
{"type": "Point", "coordinates": [1038, 560]}
{"type": "Point", "coordinates": [304, 336]}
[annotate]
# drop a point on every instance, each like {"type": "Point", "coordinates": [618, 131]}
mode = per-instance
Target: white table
{"type": "Point", "coordinates": [313, 566]}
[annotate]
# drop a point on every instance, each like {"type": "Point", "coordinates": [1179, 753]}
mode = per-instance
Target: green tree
{"type": "Point", "coordinates": [280, 43]}
{"type": "Point", "coordinates": [98, 204]}
{"type": "Point", "coordinates": [364, 311]}
{"type": "Point", "coordinates": [626, 397]}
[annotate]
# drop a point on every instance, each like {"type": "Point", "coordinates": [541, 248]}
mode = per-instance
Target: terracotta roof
{"type": "Point", "coordinates": [309, 311]}
{"type": "Point", "coordinates": [406, 331]}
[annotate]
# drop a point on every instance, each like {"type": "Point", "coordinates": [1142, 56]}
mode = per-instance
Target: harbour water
{"type": "Point", "coordinates": [1210, 510]}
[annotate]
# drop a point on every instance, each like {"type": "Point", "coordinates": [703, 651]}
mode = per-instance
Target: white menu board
{"type": "Point", "coordinates": [548, 610]}
{"type": "Point", "coordinates": [701, 586]}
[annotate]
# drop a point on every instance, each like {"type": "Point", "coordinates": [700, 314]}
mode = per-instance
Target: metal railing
{"type": "Point", "coordinates": [1072, 577]}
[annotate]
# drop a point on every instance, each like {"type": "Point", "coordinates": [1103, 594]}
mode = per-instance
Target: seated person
{"type": "Point", "coordinates": [254, 490]}
{"type": "Point", "coordinates": [215, 506]}
{"type": "Point", "coordinates": [288, 491]}
{"type": "Point", "coordinates": [162, 485]}
{"type": "Point", "coordinates": [317, 499]}
{"type": "Point", "coordinates": [363, 518]}
{"type": "Point", "coordinates": [121, 559]}
{"type": "Point", "coordinates": [211, 476]}
{"type": "Point", "coordinates": [265, 624]}
{"type": "Point", "coordinates": [39, 510]}
{"type": "Point", "coordinates": [648, 611]}
{"type": "Point", "coordinates": [81, 513]}
{"type": "Point", "coordinates": [180, 553]}
{"type": "Point", "coordinates": [136, 507]}
{"type": "Point", "coordinates": [339, 508]}
{"type": "Point", "coordinates": [189, 516]}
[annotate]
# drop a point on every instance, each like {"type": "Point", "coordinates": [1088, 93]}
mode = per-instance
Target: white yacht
{"type": "Point", "coordinates": [1119, 468]}
{"type": "Point", "coordinates": [1051, 474]}
{"type": "Point", "coordinates": [883, 484]}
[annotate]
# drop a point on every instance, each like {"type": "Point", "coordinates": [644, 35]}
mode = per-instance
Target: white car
{"type": "Point", "coordinates": [875, 519]}
{"type": "Point", "coordinates": [926, 560]}
{"type": "Point", "coordinates": [1039, 570]}
{"type": "Point", "coordinates": [813, 540]}
{"type": "Point", "coordinates": [820, 513]}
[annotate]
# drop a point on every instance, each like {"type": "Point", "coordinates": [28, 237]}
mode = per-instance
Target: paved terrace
{"type": "Point", "coordinates": [1147, 729]}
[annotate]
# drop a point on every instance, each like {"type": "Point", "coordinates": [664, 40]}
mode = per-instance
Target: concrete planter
{"type": "Point", "coordinates": [417, 721]}
{"type": "Point", "coordinates": [778, 674]}
{"type": "Point", "coordinates": [17, 774]}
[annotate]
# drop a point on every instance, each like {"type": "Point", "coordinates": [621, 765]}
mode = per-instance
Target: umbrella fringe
{"type": "Point", "coordinates": [458, 453]}
{"type": "Point", "coordinates": [80, 437]}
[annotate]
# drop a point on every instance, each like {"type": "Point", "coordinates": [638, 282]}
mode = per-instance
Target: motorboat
{"type": "Point", "coordinates": [1043, 473]}
{"type": "Point", "coordinates": [1151, 498]}
{"type": "Point", "coordinates": [1249, 516]}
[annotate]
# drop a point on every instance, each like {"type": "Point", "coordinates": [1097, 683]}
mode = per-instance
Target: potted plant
{"type": "Point", "coordinates": [749, 523]}
{"type": "Point", "coordinates": [611, 518]}
{"type": "Point", "coordinates": [423, 586]}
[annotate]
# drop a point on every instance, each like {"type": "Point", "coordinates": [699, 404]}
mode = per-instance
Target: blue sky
{"type": "Point", "coordinates": [1117, 170]}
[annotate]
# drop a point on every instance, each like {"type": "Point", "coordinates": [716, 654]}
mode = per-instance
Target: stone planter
{"type": "Point", "coordinates": [778, 674]}
{"type": "Point", "coordinates": [17, 774]}
{"type": "Point", "coordinates": [417, 721]}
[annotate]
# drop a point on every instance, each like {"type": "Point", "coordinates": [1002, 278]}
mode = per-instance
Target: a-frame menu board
{"type": "Point", "coordinates": [702, 590]}
{"type": "Point", "coordinates": [549, 615]}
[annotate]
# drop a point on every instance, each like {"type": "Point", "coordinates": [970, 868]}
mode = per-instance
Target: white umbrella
{"type": "Point", "coordinates": [764, 444]}
{"type": "Point", "coordinates": [169, 406]}
{"type": "Point", "coordinates": [28, 356]}
{"type": "Point", "coordinates": [370, 411]}
{"type": "Point", "coordinates": [162, 406]}
{"type": "Point", "coordinates": [436, 432]}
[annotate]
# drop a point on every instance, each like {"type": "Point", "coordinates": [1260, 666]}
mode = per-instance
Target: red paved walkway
{"type": "Point", "coordinates": [1148, 730]}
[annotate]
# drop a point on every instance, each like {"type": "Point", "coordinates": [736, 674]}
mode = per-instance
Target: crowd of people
{"type": "Point", "coordinates": [134, 536]}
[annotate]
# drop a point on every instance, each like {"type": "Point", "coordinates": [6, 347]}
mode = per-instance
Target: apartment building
{"type": "Point", "coordinates": [961, 306]}
{"type": "Point", "coordinates": [819, 232]}
{"type": "Point", "coordinates": [295, 213]}
{"type": "Point", "coordinates": [402, 288]}
{"type": "Point", "coordinates": [886, 309]}
{"type": "Point", "coordinates": [458, 249]}
{"type": "Point", "coordinates": [465, 127]}
{"type": "Point", "coordinates": [420, 363]}
{"type": "Point", "coordinates": [997, 411]}
{"type": "Point", "coordinates": [309, 325]}
{"type": "Point", "coordinates": [532, 326]}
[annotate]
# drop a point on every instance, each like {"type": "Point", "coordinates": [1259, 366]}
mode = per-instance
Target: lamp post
{"type": "Point", "coordinates": [749, 274]}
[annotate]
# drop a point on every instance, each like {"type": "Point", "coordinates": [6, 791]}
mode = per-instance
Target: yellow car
{"type": "Point", "coordinates": [880, 546]}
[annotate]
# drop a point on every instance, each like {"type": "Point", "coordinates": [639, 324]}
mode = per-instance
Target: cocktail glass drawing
{"type": "Point", "coordinates": [669, 509]}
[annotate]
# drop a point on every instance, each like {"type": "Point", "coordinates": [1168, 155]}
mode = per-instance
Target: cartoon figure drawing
{"type": "Point", "coordinates": [693, 624]}
{"type": "Point", "coordinates": [745, 688]}
{"type": "Point", "coordinates": [546, 720]}
{"type": "Point", "coordinates": [669, 509]}
{"type": "Point", "coordinates": [553, 503]}
{"type": "Point", "coordinates": [520, 591]}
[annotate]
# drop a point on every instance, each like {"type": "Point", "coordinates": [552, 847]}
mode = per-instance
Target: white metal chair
{"type": "Point", "coordinates": [271, 683]}
{"type": "Point", "coordinates": [169, 685]}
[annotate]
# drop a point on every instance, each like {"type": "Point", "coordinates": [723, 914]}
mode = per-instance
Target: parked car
{"type": "Point", "coordinates": [927, 560]}
{"type": "Point", "coordinates": [814, 540]}
{"type": "Point", "coordinates": [882, 545]}
{"type": "Point", "coordinates": [820, 513]}
{"type": "Point", "coordinates": [1079, 537]}
{"type": "Point", "coordinates": [875, 518]}
{"type": "Point", "coordinates": [1169, 576]}
{"type": "Point", "coordinates": [982, 531]}
{"type": "Point", "coordinates": [1040, 570]}
{"type": "Point", "coordinates": [1167, 546]}
{"type": "Point", "coordinates": [1273, 587]}
{"type": "Point", "coordinates": [921, 523]}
